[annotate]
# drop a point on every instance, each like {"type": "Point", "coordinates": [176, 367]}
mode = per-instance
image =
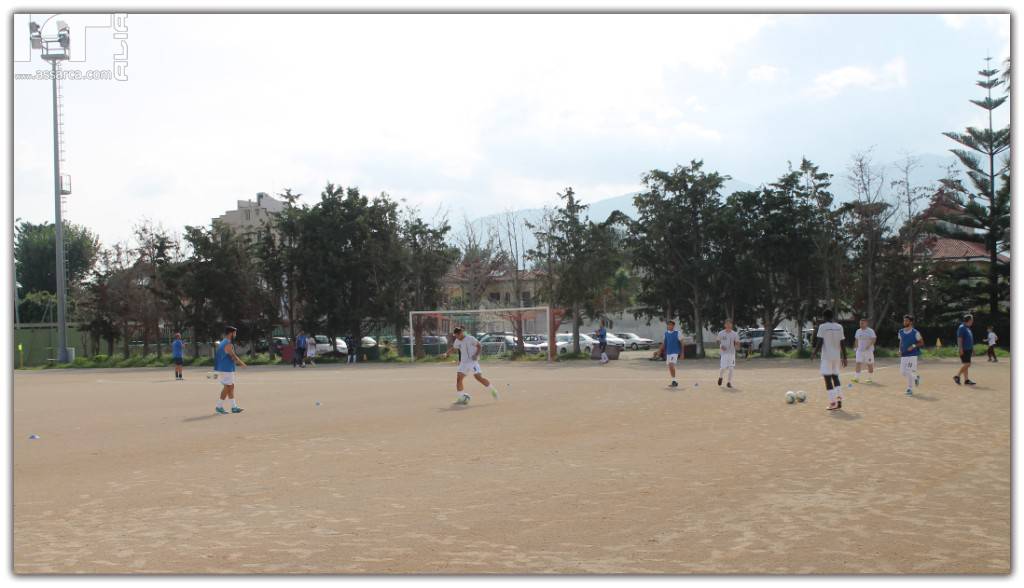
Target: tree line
{"type": "Point", "coordinates": [351, 264]}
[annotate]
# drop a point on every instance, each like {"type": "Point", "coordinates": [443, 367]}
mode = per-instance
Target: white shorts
{"type": "Point", "coordinates": [672, 358]}
{"type": "Point", "coordinates": [908, 365]}
{"type": "Point", "coordinates": [866, 356]}
{"type": "Point", "coordinates": [728, 361]}
{"type": "Point", "coordinates": [830, 367]}
{"type": "Point", "coordinates": [469, 367]}
{"type": "Point", "coordinates": [225, 378]}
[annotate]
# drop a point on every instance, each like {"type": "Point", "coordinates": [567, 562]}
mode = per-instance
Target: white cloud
{"type": "Point", "coordinates": [764, 73]}
{"type": "Point", "coordinates": [831, 83]}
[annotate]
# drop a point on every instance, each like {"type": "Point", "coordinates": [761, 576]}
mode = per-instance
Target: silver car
{"type": "Point", "coordinates": [634, 341]}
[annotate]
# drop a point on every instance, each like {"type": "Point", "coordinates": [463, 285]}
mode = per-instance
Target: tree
{"type": "Point", "coordinates": [982, 211]}
{"type": "Point", "coordinates": [670, 236]}
{"type": "Point", "coordinates": [869, 216]}
{"type": "Point", "coordinates": [36, 259]}
{"type": "Point", "coordinates": [909, 196]}
{"type": "Point", "coordinates": [481, 258]}
{"type": "Point", "coordinates": [426, 260]}
{"type": "Point", "coordinates": [512, 239]}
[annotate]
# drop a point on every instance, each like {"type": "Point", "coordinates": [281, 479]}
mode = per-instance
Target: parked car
{"type": "Point", "coordinates": [341, 346]}
{"type": "Point", "coordinates": [634, 341]}
{"type": "Point", "coordinates": [493, 344]}
{"type": "Point", "coordinates": [612, 339]}
{"type": "Point", "coordinates": [751, 340]}
{"type": "Point", "coordinates": [562, 343]}
{"type": "Point", "coordinates": [323, 344]}
{"type": "Point", "coordinates": [535, 339]}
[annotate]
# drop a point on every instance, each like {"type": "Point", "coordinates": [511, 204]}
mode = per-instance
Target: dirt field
{"type": "Point", "coordinates": [578, 468]}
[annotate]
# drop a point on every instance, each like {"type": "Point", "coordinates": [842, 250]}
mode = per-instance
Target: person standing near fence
{"type": "Point", "coordinates": [300, 350]}
{"type": "Point", "coordinates": [991, 340]}
{"type": "Point", "coordinates": [178, 356]}
{"type": "Point", "coordinates": [352, 349]}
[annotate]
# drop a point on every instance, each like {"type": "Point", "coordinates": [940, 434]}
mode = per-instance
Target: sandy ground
{"type": "Point", "coordinates": [578, 468]}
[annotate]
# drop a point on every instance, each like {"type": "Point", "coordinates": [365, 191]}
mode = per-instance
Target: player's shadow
{"type": "Point", "coordinates": [842, 415]}
{"type": "Point", "coordinates": [732, 390]}
{"type": "Point", "coordinates": [200, 418]}
{"type": "Point", "coordinates": [925, 398]}
{"type": "Point", "coordinates": [461, 407]}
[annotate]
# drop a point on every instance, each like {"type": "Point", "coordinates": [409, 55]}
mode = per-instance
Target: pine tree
{"type": "Point", "coordinates": [983, 207]}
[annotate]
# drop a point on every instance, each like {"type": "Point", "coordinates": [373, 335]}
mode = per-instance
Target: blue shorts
{"type": "Point", "coordinates": [179, 361]}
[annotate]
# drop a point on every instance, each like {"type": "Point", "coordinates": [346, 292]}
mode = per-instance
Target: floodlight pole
{"type": "Point", "coordinates": [62, 327]}
{"type": "Point", "coordinates": [54, 49]}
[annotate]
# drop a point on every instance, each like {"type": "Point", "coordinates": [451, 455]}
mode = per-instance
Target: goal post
{"type": "Point", "coordinates": [493, 326]}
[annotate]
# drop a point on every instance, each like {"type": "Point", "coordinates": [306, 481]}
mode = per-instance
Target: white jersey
{"type": "Point", "coordinates": [992, 338]}
{"type": "Point", "coordinates": [832, 335]}
{"type": "Point", "coordinates": [864, 339]}
{"type": "Point", "coordinates": [727, 342]}
{"type": "Point", "coordinates": [466, 348]}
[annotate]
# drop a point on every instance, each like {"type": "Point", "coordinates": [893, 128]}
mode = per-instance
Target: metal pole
{"type": "Point", "coordinates": [62, 340]}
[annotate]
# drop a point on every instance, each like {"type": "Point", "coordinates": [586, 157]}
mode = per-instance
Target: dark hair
{"type": "Point", "coordinates": [230, 329]}
{"type": "Point", "coordinates": [968, 318]}
{"type": "Point", "coordinates": [828, 314]}
{"type": "Point", "coordinates": [456, 330]}
{"type": "Point", "coordinates": [909, 317]}
{"type": "Point", "coordinates": [670, 322]}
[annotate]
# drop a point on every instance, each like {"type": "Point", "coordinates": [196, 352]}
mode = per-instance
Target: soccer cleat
{"type": "Point", "coordinates": [236, 409]}
{"type": "Point", "coordinates": [855, 380]}
{"type": "Point", "coordinates": [832, 406]}
{"type": "Point", "coordinates": [957, 380]}
{"type": "Point", "coordinates": [839, 403]}
{"type": "Point", "coordinates": [674, 384]}
{"type": "Point", "coordinates": [728, 385]}
{"type": "Point", "coordinates": [220, 410]}
{"type": "Point", "coordinates": [917, 380]}
{"type": "Point", "coordinates": [719, 381]}
{"type": "Point", "coordinates": [970, 383]}
{"type": "Point", "coordinates": [869, 381]}
{"type": "Point", "coordinates": [494, 392]}
{"type": "Point", "coordinates": [910, 392]}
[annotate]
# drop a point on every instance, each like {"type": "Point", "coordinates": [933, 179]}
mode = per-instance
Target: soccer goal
{"type": "Point", "coordinates": [499, 330]}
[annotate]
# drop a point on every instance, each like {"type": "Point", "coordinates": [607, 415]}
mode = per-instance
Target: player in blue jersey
{"type": "Point", "coordinates": [965, 344]}
{"type": "Point", "coordinates": [178, 356]}
{"type": "Point", "coordinates": [672, 348]}
{"type": "Point", "coordinates": [602, 342]}
{"type": "Point", "coordinates": [910, 349]}
{"type": "Point", "coordinates": [224, 363]}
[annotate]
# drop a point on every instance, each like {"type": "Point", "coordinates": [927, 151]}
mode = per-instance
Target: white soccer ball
{"type": "Point", "coordinates": [801, 395]}
{"type": "Point", "coordinates": [463, 398]}
{"type": "Point", "coordinates": [790, 397]}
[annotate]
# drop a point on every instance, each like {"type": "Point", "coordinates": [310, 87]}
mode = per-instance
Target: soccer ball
{"type": "Point", "coordinates": [211, 375]}
{"type": "Point", "coordinates": [463, 399]}
{"type": "Point", "coordinates": [790, 397]}
{"type": "Point", "coordinates": [801, 395]}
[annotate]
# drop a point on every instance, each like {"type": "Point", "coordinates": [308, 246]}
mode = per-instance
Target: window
{"type": "Point", "coordinates": [494, 297]}
{"type": "Point", "coordinates": [507, 298]}
{"type": "Point", "coordinates": [526, 299]}
{"type": "Point", "coordinates": [247, 215]}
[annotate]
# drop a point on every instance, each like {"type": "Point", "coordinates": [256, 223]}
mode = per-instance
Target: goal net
{"type": "Point", "coordinates": [502, 332]}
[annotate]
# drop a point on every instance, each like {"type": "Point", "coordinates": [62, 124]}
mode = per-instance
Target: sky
{"type": "Point", "coordinates": [470, 115]}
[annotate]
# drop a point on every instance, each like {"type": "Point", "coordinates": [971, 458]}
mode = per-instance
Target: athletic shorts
{"type": "Point", "coordinates": [603, 346]}
{"type": "Point", "coordinates": [470, 367]}
{"type": "Point", "coordinates": [866, 356]}
{"type": "Point", "coordinates": [179, 361]}
{"type": "Point", "coordinates": [226, 378]}
{"type": "Point", "coordinates": [908, 365]}
{"type": "Point", "coordinates": [728, 360]}
{"type": "Point", "coordinates": [830, 367]}
{"type": "Point", "coordinates": [966, 357]}
{"type": "Point", "coordinates": [672, 358]}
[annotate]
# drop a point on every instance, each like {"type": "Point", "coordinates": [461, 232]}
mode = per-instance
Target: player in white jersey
{"type": "Point", "coordinates": [469, 363]}
{"type": "Point", "coordinates": [832, 347]}
{"type": "Point", "coordinates": [728, 343]}
{"type": "Point", "coordinates": [865, 355]}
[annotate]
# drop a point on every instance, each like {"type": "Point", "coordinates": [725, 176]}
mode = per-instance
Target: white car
{"type": "Point", "coordinates": [612, 340]}
{"type": "Point", "coordinates": [634, 341]}
{"type": "Point", "coordinates": [494, 344]}
{"type": "Point", "coordinates": [323, 344]}
{"type": "Point", "coordinates": [340, 344]}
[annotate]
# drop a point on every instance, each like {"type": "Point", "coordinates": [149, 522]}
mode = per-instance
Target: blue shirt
{"type": "Point", "coordinates": [965, 332]}
{"type": "Point", "coordinates": [222, 362]}
{"type": "Point", "coordinates": [908, 339]}
{"type": "Point", "coordinates": [602, 335]}
{"type": "Point", "coordinates": [672, 344]}
{"type": "Point", "coordinates": [300, 341]}
{"type": "Point", "coordinates": [176, 348]}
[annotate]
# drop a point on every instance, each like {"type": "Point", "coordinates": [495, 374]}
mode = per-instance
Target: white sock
{"type": "Point", "coordinates": [730, 375]}
{"type": "Point", "coordinates": [234, 403]}
{"type": "Point", "coordinates": [831, 395]}
{"type": "Point", "coordinates": [220, 404]}
{"type": "Point", "coordinates": [910, 380]}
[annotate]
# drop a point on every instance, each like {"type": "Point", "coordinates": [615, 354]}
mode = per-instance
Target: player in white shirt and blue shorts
{"type": "Point", "coordinates": [865, 354]}
{"type": "Point", "coordinates": [728, 343]}
{"type": "Point", "coordinates": [469, 363]}
{"type": "Point", "coordinates": [832, 347]}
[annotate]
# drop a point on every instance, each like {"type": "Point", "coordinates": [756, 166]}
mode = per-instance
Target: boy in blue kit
{"type": "Point", "coordinates": [965, 344]}
{"type": "Point", "coordinates": [672, 347]}
{"type": "Point", "coordinates": [910, 348]}
{"type": "Point", "coordinates": [178, 356]}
